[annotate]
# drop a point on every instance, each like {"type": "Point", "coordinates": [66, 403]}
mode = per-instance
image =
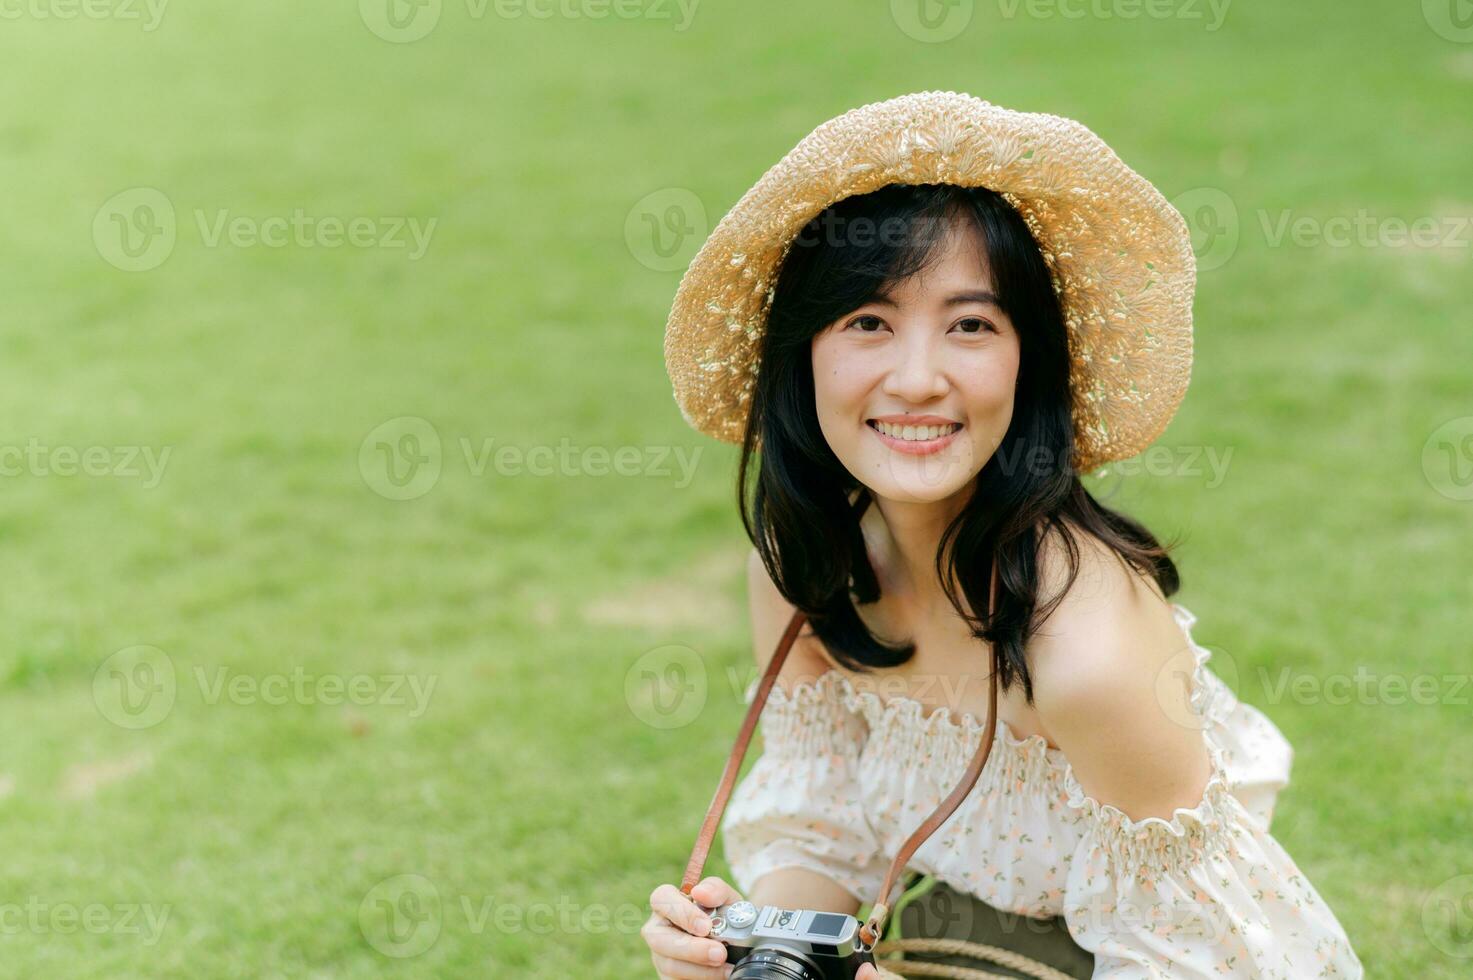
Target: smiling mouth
{"type": "Point", "coordinates": [913, 433]}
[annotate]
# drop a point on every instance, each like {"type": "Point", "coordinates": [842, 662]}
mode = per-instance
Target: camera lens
{"type": "Point", "coordinates": [776, 963]}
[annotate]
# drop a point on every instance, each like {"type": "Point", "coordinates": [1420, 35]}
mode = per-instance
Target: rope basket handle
{"type": "Point", "coordinates": [959, 947]}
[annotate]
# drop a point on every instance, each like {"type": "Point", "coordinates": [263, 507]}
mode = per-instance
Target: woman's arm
{"type": "Point", "coordinates": [1172, 876]}
{"type": "Point", "coordinates": [1112, 678]}
{"type": "Point", "coordinates": [800, 888]}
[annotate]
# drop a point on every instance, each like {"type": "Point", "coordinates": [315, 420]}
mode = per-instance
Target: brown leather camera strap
{"type": "Point", "coordinates": [870, 932]}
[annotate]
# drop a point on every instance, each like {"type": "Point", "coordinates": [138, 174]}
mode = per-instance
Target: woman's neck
{"type": "Point", "coordinates": [902, 538]}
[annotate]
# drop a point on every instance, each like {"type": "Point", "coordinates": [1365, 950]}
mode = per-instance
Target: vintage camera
{"type": "Point", "coordinates": [771, 943]}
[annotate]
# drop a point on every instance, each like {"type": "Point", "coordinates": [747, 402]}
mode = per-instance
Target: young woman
{"type": "Point", "coordinates": [939, 361]}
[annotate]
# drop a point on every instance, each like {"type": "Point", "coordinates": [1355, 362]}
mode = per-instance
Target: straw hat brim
{"type": "Point", "coordinates": [1119, 253]}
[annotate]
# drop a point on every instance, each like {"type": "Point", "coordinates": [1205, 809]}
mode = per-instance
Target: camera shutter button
{"type": "Point", "coordinates": [741, 914]}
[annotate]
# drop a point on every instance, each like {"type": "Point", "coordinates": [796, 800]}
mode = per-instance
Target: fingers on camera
{"type": "Point", "coordinates": [678, 970]}
{"type": "Point", "coordinates": [668, 901]}
{"type": "Point", "coordinates": [716, 890]}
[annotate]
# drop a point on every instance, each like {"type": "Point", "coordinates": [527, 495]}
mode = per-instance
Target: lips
{"type": "Point", "coordinates": [915, 432]}
{"type": "Point", "coordinates": [915, 440]}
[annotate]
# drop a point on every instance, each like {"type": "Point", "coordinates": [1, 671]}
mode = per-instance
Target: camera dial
{"type": "Point", "coordinates": [741, 914]}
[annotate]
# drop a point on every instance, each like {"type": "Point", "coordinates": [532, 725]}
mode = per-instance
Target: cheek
{"type": "Point", "coordinates": [992, 382]}
{"type": "Point", "coordinates": [838, 377]}
{"type": "Point", "coordinates": [999, 384]}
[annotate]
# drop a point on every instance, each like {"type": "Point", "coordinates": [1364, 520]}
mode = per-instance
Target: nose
{"type": "Point", "coordinates": [918, 374]}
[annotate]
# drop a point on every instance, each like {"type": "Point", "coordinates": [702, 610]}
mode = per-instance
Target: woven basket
{"type": "Point", "coordinates": [899, 968]}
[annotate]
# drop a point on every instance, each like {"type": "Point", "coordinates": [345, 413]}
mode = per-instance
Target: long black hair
{"type": "Point", "coordinates": [801, 507]}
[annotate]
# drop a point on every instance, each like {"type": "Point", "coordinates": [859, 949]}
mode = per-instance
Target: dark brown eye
{"type": "Point", "coordinates": [867, 318]}
{"type": "Point", "coordinates": [976, 324]}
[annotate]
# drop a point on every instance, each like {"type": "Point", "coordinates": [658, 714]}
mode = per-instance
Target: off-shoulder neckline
{"type": "Point", "coordinates": [939, 718]}
{"type": "Point", "coordinates": [1207, 818]}
{"type": "Point", "coordinates": [943, 717]}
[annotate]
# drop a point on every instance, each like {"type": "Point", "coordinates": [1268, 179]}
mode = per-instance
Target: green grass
{"type": "Point", "coordinates": [529, 780]}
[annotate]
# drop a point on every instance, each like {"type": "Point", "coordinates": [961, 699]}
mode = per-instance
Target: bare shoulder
{"type": "Point", "coordinates": [1109, 599]}
{"type": "Point", "coordinates": [1111, 681]}
{"type": "Point", "coordinates": [770, 614]}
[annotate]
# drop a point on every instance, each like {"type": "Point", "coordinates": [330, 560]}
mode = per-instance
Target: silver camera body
{"type": "Point", "coordinates": [771, 943]}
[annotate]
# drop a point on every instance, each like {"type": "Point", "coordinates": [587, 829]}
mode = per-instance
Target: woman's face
{"type": "Point", "coordinates": [914, 391]}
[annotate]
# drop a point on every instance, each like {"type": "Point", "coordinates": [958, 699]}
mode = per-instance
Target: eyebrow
{"type": "Point", "coordinates": [984, 296]}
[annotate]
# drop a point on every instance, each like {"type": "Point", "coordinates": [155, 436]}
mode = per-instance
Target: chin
{"type": "Point", "coordinates": [908, 495]}
{"type": "Point", "coordinates": [920, 481]}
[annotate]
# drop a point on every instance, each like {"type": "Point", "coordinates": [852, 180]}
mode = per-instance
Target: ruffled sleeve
{"type": "Point", "coordinates": [1208, 893]}
{"type": "Point", "coordinates": [799, 804]}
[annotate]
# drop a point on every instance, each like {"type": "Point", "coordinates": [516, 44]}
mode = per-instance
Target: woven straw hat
{"type": "Point", "coordinates": [1120, 257]}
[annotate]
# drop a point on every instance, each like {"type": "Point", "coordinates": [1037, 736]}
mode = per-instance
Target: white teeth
{"type": "Point", "coordinates": [916, 433]}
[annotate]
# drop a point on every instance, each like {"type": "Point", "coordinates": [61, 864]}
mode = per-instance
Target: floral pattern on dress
{"type": "Point", "coordinates": [845, 777]}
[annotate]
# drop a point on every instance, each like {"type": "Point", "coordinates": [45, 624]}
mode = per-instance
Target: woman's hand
{"type": "Point", "coordinates": [674, 933]}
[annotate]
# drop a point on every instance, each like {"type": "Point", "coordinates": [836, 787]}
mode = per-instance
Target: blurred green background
{"type": "Point", "coordinates": [335, 561]}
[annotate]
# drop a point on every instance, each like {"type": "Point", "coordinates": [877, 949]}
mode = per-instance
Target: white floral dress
{"type": "Point", "coordinates": [844, 777]}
